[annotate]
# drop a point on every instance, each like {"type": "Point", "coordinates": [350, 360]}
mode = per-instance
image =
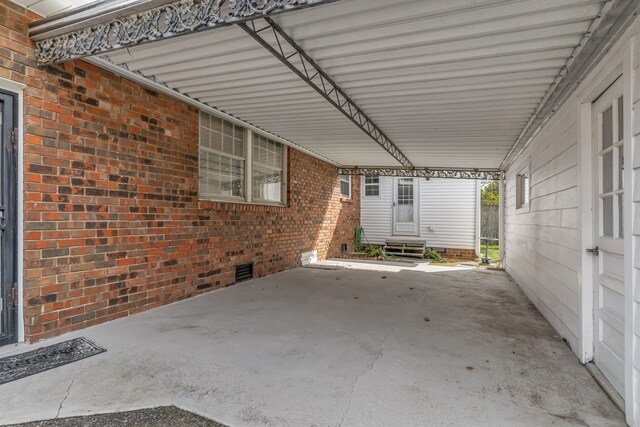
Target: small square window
{"type": "Point", "coordinates": [522, 189]}
{"type": "Point", "coordinates": [345, 186]}
{"type": "Point", "coordinates": [371, 186]}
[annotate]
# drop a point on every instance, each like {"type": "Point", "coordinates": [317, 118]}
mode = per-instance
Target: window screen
{"type": "Point", "coordinates": [268, 169]}
{"type": "Point", "coordinates": [222, 158]}
{"type": "Point", "coordinates": [345, 186]}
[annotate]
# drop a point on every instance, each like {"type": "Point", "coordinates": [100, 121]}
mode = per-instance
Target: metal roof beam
{"type": "Point", "coordinates": [428, 173]}
{"type": "Point", "coordinates": [115, 24]}
{"type": "Point", "coordinates": [287, 51]}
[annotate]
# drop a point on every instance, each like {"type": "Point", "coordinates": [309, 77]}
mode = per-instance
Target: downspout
{"type": "Point", "coordinates": [501, 218]}
{"type": "Point", "coordinates": [478, 216]}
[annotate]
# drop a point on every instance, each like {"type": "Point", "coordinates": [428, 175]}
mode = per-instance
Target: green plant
{"type": "Point", "coordinates": [489, 194]}
{"type": "Point", "coordinates": [494, 251]}
{"type": "Point", "coordinates": [434, 256]}
{"type": "Point", "coordinates": [376, 251]}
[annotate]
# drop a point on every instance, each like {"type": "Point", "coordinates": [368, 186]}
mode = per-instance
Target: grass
{"type": "Point", "coordinates": [494, 251]}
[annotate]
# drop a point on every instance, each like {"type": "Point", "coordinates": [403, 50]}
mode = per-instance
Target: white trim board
{"type": "Point", "coordinates": [629, 255]}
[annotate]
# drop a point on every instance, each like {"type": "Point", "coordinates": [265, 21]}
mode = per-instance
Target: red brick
{"type": "Point", "coordinates": [100, 239]}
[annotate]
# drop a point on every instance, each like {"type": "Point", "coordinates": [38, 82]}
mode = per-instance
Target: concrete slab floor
{"type": "Point", "coordinates": [310, 347]}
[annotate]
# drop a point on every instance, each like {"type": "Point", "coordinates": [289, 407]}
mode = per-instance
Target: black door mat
{"type": "Point", "coordinates": [169, 416]}
{"type": "Point", "coordinates": [33, 362]}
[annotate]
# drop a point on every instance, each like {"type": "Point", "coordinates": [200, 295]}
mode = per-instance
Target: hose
{"type": "Point", "coordinates": [359, 235]}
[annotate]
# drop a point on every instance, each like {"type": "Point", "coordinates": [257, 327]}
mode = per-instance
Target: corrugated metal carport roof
{"type": "Point", "coordinates": [451, 82]}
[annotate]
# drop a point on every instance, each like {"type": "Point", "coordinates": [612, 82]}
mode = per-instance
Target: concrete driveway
{"type": "Point", "coordinates": [365, 346]}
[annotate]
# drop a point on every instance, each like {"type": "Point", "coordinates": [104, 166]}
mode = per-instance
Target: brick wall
{"type": "Point", "coordinates": [467, 254]}
{"type": "Point", "coordinates": [113, 224]}
{"type": "Point", "coordinates": [464, 254]}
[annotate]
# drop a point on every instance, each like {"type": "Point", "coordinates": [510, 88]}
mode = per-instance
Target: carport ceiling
{"type": "Point", "coordinates": [451, 82]}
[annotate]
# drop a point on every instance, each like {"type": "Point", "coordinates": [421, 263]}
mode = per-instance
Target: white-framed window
{"type": "Point", "coordinates": [222, 158]}
{"type": "Point", "coordinates": [523, 185]}
{"type": "Point", "coordinates": [345, 186]}
{"type": "Point", "coordinates": [268, 170]}
{"type": "Point", "coordinates": [236, 164]}
{"type": "Point", "coordinates": [371, 186]}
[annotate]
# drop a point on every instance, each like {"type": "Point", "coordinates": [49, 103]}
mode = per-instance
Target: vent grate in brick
{"type": "Point", "coordinates": [244, 272]}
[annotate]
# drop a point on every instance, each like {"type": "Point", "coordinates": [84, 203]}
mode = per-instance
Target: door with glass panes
{"type": "Point", "coordinates": [609, 294]}
{"type": "Point", "coordinates": [405, 207]}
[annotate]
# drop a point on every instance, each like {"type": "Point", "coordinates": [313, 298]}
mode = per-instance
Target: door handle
{"type": "Point", "coordinates": [594, 251]}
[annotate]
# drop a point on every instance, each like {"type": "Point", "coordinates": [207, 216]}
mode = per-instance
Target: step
{"type": "Point", "coordinates": [406, 244]}
{"type": "Point", "coordinates": [409, 250]}
{"type": "Point", "coordinates": [414, 248]}
{"type": "Point", "coordinates": [401, 249]}
{"type": "Point", "coordinates": [405, 254]}
{"type": "Point", "coordinates": [405, 248]}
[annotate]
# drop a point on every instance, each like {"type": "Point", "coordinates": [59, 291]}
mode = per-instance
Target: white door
{"type": "Point", "coordinates": [405, 207]}
{"type": "Point", "coordinates": [608, 276]}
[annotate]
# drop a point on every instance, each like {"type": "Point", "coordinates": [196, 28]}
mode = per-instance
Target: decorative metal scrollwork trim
{"type": "Point", "coordinates": [483, 174]}
{"type": "Point", "coordinates": [182, 17]}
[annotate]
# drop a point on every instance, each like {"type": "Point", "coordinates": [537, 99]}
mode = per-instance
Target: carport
{"type": "Point", "coordinates": [298, 92]}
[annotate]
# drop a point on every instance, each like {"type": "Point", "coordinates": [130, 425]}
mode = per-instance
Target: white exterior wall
{"type": "Point", "coordinates": [546, 247]}
{"type": "Point", "coordinates": [541, 243]}
{"type": "Point", "coordinates": [375, 212]}
{"type": "Point", "coordinates": [448, 213]}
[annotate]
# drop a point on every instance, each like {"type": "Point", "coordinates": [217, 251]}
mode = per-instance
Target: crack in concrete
{"type": "Point", "coordinates": [73, 379]}
{"type": "Point", "coordinates": [379, 355]}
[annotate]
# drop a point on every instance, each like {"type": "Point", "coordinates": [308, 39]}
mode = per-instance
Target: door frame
{"type": "Point", "coordinates": [9, 250]}
{"type": "Point", "coordinates": [617, 63]}
{"type": "Point", "coordinates": [416, 206]}
{"type": "Point", "coordinates": [18, 89]}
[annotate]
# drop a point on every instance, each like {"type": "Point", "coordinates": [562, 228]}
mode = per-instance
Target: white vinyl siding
{"type": "Point", "coordinates": [376, 213]}
{"type": "Point", "coordinates": [447, 213]}
{"type": "Point", "coordinates": [541, 244]}
{"type": "Point", "coordinates": [448, 217]}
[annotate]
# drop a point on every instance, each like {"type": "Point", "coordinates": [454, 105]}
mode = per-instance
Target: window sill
{"type": "Point", "coordinates": [346, 200]}
{"type": "Point", "coordinates": [230, 201]}
{"type": "Point", "coordinates": [523, 209]}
